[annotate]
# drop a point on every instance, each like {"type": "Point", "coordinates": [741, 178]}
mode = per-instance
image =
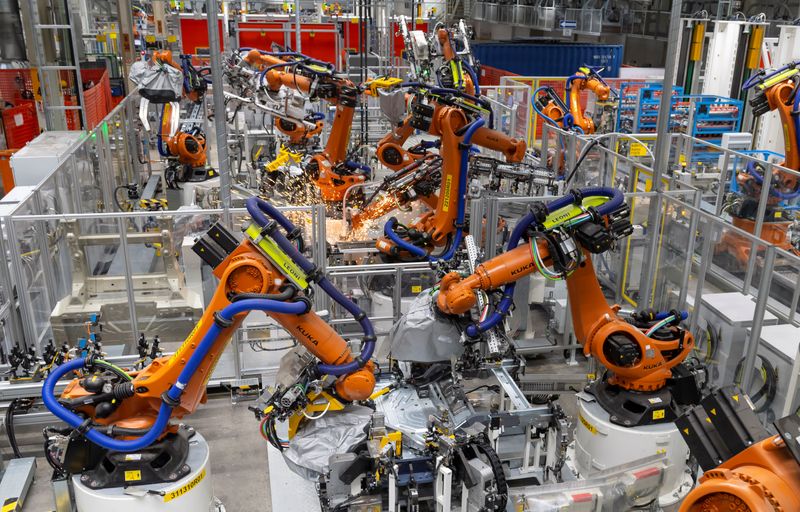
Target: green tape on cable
{"type": "Point", "coordinates": [568, 213]}
{"type": "Point", "coordinates": [276, 255]}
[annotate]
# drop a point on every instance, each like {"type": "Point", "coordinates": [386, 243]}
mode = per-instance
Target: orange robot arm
{"type": "Point", "coordinates": [781, 98]}
{"type": "Point", "coordinates": [452, 60]}
{"type": "Point", "coordinates": [165, 57]}
{"type": "Point", "coordinates": [448, 123]}
{"type": "Point", "coordinates": [580, 82]}
{"type": "Point", "coordinates": [648, 360]}
{"type": "Point", "coordinates": [249, 278]}
{"type": "Point", "coordinates": [337, 91]}
{"type": "Point", "coordinates": [763, 478]}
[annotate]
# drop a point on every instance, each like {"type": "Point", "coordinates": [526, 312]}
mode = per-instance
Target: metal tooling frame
{"type": "Point", "coordinates": [16, 482]}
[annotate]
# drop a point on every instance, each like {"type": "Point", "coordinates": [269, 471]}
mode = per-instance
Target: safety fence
{"type": "Point", "coordinates": [548, 15]}
{"type": "Point", "coordinates": [608, 109]}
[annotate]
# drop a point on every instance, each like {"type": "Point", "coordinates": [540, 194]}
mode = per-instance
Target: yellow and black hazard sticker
{"type": "Point", "coordinates": [11, 505]}
{"type": "Point", "coordinates": [659, 414]}
{"type": "Point", "coordinates": [153, 204]}
{"type": "Point", "coordinates": [591, 428]}
{"type": "Point", "coordinates": [180, 491]}
{"type": "Point", "coordinates": [133, 476]}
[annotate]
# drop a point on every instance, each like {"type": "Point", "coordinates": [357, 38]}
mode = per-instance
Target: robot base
{"type": "Point", "coordinates": [600, 444]}
{"type": "Point", "coordinates": [192, 492]}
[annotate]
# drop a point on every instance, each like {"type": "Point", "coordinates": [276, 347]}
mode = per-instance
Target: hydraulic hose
{"type": "Point", "coordinates": [353, 165]}
{"type": "Point", "coordinates": [752, 171]}
{"type": "Point", "coordinates": [462, 188]}
{"type": "Point", "coordinates": [388, 228]}
{"type": "Point", "coordinates": [473, 76]}
{"type": "Point", "coordinates": [661, 315]}
{"type": "Point", "coordinates": [796, 117]}
{"type": "Point", "coordinates": [262, 211]}
{"type": "Point", "coordinates": [615, 201]}
{"type": "Point", "coordinates": [173, 394]}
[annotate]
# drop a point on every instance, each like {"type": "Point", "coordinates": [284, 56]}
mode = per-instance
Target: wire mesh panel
{"type": "Point", "coordinates": [20, 124]}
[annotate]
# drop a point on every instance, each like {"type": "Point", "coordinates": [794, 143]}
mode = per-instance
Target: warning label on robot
{"type": "Point", "coordinates": [591, 428]}
{"type": "Point", "coordinates": [180, 491]}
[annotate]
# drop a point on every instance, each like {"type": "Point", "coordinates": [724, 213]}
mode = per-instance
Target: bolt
{"type": "Point", "coordinates": [172, 476]}
{"type": "Point", "coordinates": [84, 478]}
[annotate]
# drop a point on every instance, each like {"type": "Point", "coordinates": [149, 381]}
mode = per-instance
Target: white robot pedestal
{"type": "Point", "coordinates": [193, 492]}
{"type": "Point", "coordinates": [600, 444]}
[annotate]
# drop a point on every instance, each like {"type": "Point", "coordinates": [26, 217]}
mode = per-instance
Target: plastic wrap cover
{"type": "Point", "coordinates": [317, 440]}
{"type": "Point", "coordinates": [393, 105]}
{"type": "Point", "coordinates": [159, 83]}
{"type": "Point", "coordinates": [632, 486]}
{"type": "Point", "coordinates": [423, 335]}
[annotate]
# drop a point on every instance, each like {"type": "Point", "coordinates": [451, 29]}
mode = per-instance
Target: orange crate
{"type": "Point", "coordinates": [21, 125]}
{"type": "Point", "coordinates": [6, 176]}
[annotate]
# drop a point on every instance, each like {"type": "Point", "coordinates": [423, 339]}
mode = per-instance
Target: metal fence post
{"type": "Point", "coordinates": [220, 124]}
{"type": "Point", "coordinates": [758, 319]}
{"type": "Point", "coordinates": [687, 267]}
{"type": "Point", "coordinates": [705, 263]}
{"type": "Point", "coordinates": [662, 145]}
{"type": "Point", "coordinates": [126, 260]}
{"type": "Point", "coordinates": [759, 224]}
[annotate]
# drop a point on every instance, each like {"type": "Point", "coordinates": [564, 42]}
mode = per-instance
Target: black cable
{"type": "Point", "coordinates": [766, 391]}
{"type": "Point", "coordinates": [116, 199]}
{"type": "Point", "coordinates": [581, 158]}
{"type": "Point", "coordinates": [12, 438]}
{"type": "Point", "coordinates": [487, 386]}
{"type": "Point", "coordinates": [287, 293]}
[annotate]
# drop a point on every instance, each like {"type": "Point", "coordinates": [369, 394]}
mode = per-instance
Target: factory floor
{"type": "Point", "coordinates": [238, 458]}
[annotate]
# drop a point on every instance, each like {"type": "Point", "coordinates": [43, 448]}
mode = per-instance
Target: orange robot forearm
{"type": "Point", "coordinates": [261, 60]}
{"type": "Point", "coordinates": [165, 57]}
{"type": "Point", "coordinates": [780, 98]}
{"type": "Point", "coordinates": [763, 478]}
{"type": "Point", "coordinates": [449, 55]}
{"type": "Point", "coordinates": [457, 295]}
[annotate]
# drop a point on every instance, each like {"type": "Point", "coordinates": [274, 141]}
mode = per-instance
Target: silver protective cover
{"type": "Point", "coordinates": [424, 336]}
{"type": "Point", "coordinates": [336, 432]}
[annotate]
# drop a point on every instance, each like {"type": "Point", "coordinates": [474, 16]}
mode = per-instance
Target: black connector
{"type": "Point", "coordinates": [622, 351]}
{"type": "Point", "coordinates": [539, 211]}
{"type": "Point", "coordinates": [223, 238]}
{"type": "Point", "coordinates": [760, 104]}
{"type": "Point", "coordinates": [421, 116]}
{"type": "Point", "coordinates": [594, 237]}
{"type": "Point", "coordinates": [208, 252]}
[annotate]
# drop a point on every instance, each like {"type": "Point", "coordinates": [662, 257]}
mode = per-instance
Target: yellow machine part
{"type": "Point", "coordinates": [698, 36]}
{"type": "Point", "coordinates": [753, 59]}
{"type": "Point", "coordinates": [328, 403]}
